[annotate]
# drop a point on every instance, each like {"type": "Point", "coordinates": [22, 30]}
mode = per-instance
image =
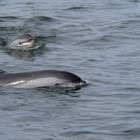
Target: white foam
{"type": "Point", "coordinates": [74, 85]}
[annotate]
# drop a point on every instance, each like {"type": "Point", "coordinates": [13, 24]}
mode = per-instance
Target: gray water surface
{"type": "Point", "coordinates": [97, 40]}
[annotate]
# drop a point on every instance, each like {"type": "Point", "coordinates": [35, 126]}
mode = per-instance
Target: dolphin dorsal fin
{"type": "Point", "coordinates": [1, 71]}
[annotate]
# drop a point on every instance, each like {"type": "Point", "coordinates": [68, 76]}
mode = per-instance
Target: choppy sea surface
{"type": "Point", "coordinates": [99, 40]}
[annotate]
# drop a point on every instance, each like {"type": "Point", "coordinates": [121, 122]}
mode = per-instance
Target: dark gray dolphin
{"type": "Point", "coordinates": [21, 42]}
{"type": "Point", "coordinates": [35, 79]}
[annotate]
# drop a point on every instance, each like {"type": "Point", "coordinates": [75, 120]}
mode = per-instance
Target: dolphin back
{"type": "Point", "coordinates": [38, 78]}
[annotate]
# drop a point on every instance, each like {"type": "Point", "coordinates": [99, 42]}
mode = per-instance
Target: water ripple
{"type": "Point", "coordinates": [76, 8]}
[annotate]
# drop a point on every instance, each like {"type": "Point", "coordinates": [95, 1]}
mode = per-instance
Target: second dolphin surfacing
{"type": "Point", "coordinates": [22, 42]}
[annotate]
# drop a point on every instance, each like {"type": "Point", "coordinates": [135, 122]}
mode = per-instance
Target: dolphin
{"type": "Point", "coordinates": [36, 79]}
{"type": "Point", "coordinates": [21, 42]}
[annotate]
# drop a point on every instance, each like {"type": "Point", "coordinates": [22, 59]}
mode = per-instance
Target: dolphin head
{"type": "Point", "coordinates": [21, 42]}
